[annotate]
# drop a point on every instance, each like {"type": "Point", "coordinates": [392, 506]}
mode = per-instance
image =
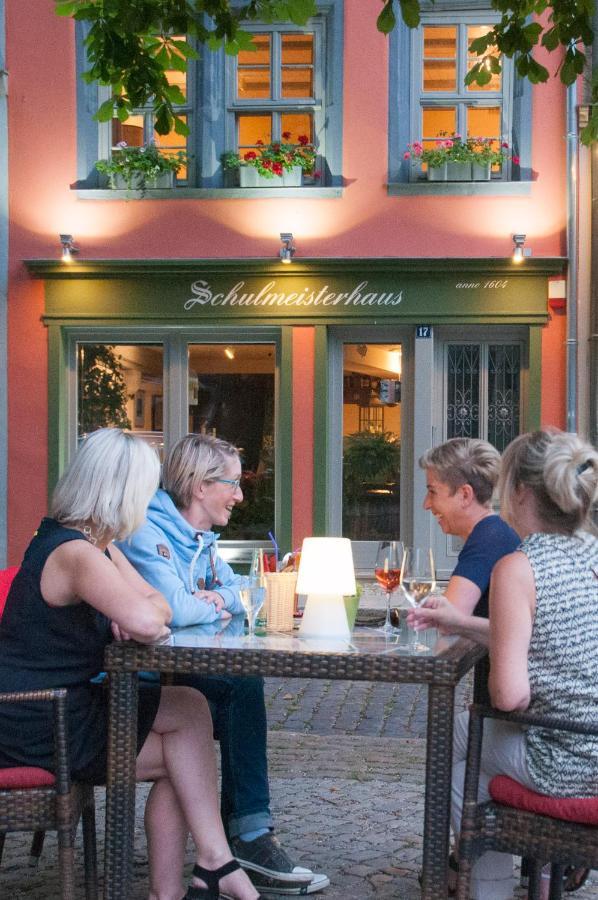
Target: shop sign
{"type": "Point", "coordinates": [273, 296]}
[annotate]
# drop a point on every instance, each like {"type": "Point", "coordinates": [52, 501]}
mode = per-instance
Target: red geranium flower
{"type": "Point", "coordinates": [267, 164]}
{"type": "Point", "coordinates": [251, 154]}
{"type": "Point", "coordinates": [286, 135]}
{"type": "Point", "coordinates": [259, 141]}
{"type": "Point", "coordinates": [277, 168]}
{"type": "Point", "coordinates": [303, 139]}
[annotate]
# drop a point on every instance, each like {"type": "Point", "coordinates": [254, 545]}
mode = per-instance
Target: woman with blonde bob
{"type": "Point", "coordinates": [543, 633]}
{"type": "Point", "coordinates": [73, 592]}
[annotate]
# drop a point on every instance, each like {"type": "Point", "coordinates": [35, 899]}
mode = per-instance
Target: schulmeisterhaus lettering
{"type": "Point", "coordinates": [203, 295]}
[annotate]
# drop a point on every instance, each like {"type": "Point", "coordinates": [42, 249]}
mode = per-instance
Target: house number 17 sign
{"type": "Point", "coordinates": [423, 331]}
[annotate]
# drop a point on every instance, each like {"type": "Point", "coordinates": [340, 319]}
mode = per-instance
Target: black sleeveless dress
{"type": "Point", "coordinates": [42, 646]}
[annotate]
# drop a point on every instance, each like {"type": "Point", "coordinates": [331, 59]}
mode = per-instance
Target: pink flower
{"type": "Point", "coordinates": [317, 174]}
{"type": "Point", "coordinates": [515, 160]}
{"type": "Point", "coordinates": [406, 155]}
{"type": "Point", "coordinates": [447, 144]}
{"type": "Point", "coordinates": [505, 145]}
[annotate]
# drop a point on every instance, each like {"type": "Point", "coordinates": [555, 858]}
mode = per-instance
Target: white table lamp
{"type": "Point", "coordinates": [326, 575]}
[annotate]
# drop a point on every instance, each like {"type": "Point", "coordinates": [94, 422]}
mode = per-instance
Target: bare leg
{"type": "Point", "coordinates": [167, 835]}
{"type": "Point", "coordinates": [180, 748]}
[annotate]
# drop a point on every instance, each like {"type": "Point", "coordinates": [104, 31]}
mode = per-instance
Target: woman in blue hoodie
{"type": "Point", "coordinates": [176, 552]}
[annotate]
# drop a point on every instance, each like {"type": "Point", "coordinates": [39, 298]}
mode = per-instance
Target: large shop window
{"type": "Point", "coordinates": [430, 101]}
{"type": "Point", "coordinates": [121, 386]}
{"type": "Point", "coordinates": [231, 395]}
{"type": "Point", "coordinates": [371, 441]}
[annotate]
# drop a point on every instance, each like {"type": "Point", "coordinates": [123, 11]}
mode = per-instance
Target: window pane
{"type": "Point", "coordinates": [504, 367]}
{"type": "Point", "coordinates": [231, 395]}
{"type": "Point", "coordinates": [463, 385]}
{"type": "Point", "coordinates": [253, 83]}
{"type": "Point", "coordinates": [173, 75]}
{"type": "Point", "coordinates": [297, 49]}
{"type": "Point", "coordinates": [131, 131]}
{"type": "Point", "coordinates": [440, 58]}
{"type": "Point", "coordinates": [253, 70]}
{"type": "Point", "coordinates": [258, 57]}
{"type": "Point", "coordinates": [297, 82]}
{"type": "Point", "coordinates": [484, 121]}
{"type": "Point", "coordinates": [473, 32]}
{"type": "Point", "coordinates": [371, 437]}
{"type": "Point", "coordinates": [170, 144]}
{"type": "Point", "coordinates": [297, 124]}
{"type": "Point", "coordinates": [438, 121]}
{"type": "Point", "coordinates": [254, 129]}
{"type": "Point", "coordinates": [122, 386]}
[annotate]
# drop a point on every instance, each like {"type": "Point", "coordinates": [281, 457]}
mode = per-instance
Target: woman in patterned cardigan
{"type": "Point", "coordinates": [543, 633]}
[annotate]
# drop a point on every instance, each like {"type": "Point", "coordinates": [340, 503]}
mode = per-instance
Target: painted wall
{"type": "Point", "coordinates": [365, 221]}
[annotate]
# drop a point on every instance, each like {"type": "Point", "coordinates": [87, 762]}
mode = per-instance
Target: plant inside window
{"type": "Point", "coordinates": [139, 168]}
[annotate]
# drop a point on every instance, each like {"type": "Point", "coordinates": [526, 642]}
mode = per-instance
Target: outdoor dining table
{"type": "Point", "coordinates": [369, 655]}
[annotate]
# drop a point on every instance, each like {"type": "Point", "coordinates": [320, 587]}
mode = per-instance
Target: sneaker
{"type": "Point", "coordinates": [265, 856]}
{"type": "Point", "coordinates": [271, 886]}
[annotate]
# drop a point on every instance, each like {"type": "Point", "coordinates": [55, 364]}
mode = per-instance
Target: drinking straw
{"type": "Point", "coordinates": [275, 545]}
{"type": "Point", "coordinates": [261, 563]}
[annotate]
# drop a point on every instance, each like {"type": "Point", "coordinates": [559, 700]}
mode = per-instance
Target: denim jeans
{"type": "Point", "coordinates": [239, 716]}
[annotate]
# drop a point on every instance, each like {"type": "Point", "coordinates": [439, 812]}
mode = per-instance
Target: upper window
{"type": "Point", "coordinates": [275, 92]}
{"type": "Point", "coordinates": [430, 101]}
{"type": "Point", "coordinates": [444, 105]}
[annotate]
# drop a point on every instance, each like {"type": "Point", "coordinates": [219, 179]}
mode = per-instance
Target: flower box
{"type": "Point", "coordinates": [458, 171]}
{"type": "Point", "coordinates": [436, 173]}
{"type": "Point", "coordinates": [164, 181]}
{"type": "Point", "coordinates": [250, 177]}
{"type": "Point", "coordinates": [480, 171]}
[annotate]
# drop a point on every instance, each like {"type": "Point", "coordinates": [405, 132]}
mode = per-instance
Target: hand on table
{"type": "Point", "coordinates": [211, 597]}
{"type": "Point", "coordinates": [437, 612]}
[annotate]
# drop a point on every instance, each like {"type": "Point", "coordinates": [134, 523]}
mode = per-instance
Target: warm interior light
{"type": "Point", "coordinates": [229, 352]}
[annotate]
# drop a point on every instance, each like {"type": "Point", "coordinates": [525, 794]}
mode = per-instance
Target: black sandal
{"type": "Point", "coordinates": [212, 879]}
{"type": "Point", "coordinates": [574, 878]}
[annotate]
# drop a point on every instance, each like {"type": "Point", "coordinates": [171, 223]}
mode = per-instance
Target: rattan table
{"type": "Point", "coordinates": [370, 656]}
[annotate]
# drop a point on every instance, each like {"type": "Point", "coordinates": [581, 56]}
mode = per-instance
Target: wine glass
{"type": "Point", "coordinates": [252, 593]}
{"type": "Point", "coordinates": [417, 579]}
{"type": "Point", "coordinates": [388, 573]}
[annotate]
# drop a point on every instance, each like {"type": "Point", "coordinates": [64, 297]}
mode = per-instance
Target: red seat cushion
{"type": "Point", "coordinates": [573, 809]}
{"type": "Point", "coordinates": [6, 579]}
{"type": "Point", "coordinates": [24, 777]}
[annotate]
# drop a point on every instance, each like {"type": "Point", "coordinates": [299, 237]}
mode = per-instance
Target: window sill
{"type": "Point", "coordinates": [460, 188]}
{"type": "Point", "coordinates": [236, 193]}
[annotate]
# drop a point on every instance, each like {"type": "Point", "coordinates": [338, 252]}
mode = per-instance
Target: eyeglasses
{"type": "Point", "coordinates": [234, 483]}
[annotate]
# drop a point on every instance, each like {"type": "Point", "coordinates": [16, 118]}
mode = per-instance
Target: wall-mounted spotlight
{"type": "Point", "coordinates": [229, 352]}
{"type": "Point", "coordinates": [68, 247]}
{"type": "Point", "coordinates": [287, 251]}
{"type": "Point", "coordinates": [519, 251]}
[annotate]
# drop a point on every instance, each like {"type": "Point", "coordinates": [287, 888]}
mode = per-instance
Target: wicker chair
{"type": "Point", "coordinates": [32, 799]}
{"type": "Point", "coordinates": [561, 832]}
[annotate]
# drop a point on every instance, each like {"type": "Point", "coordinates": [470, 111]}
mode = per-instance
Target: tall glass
{"type": "Point", "coordinates": [418, 580]}
{"type": "Point", "coordinates": [252, 594]}
{"type": "Point", "coordinates": [388, 573]}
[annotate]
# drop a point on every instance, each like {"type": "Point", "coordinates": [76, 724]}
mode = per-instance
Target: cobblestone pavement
{"type": "Point", "coordinates": [346, 773]}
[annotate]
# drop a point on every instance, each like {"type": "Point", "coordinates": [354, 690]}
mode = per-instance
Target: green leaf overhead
{"type": "Point", "coordinates": [131, 44]}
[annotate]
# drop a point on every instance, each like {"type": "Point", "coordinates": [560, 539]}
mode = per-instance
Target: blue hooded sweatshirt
{"type": "Point", "coordinates": [177, 560]}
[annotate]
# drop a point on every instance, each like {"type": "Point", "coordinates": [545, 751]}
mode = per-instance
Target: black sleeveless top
{"type": "Point", "coordinates": [42, 646]}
